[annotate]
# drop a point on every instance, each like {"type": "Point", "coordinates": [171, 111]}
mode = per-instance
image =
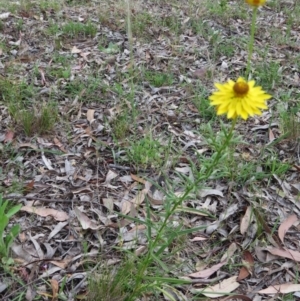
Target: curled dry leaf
{"type": "Point", "coordinates": [109, 177]}
{"type": "Point", "coordinates": [43, 211]}
{"type": "Point", "coordinates": [281, 289]}
{"type": "Point", "coordinates": [55, 287]}
{"type": "Point", "coordinates": [246, 220]}
{"type": "Point", "coordinates": [248, 262]}
{"type": "Point", "coordinates": [224, 287]}
{"type": "Point", "coordinates": [284, 227]}
{"type": "Point", "coordinates": [138, 179]}
{"type": "Point", "coordinates": [244, 273]}
{"type": "Point", "coordinates": [247, 256]}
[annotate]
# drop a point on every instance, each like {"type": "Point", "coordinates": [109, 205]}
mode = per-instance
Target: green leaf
{"type": "Point", "coordinates": [12, 211]}
{"type": "Point", "coordinates": [3, 223]}
{"type": "Point", "coordinates": [14, 231]}
{"type": "Point", "coordinates": [2, 208]}
{"type": "Point", "coordinates": [163, 265]}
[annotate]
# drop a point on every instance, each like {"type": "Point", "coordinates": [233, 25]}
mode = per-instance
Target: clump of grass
{"type": "Point", "coordinates": [147, 152]}
{"type": "Point", "coordinates": [140, 22]}
{"type": "Point", "coordinates": [272, 77]}
{"type": "Point", "coordinates": [112, 283]}
{"type": "Point", "coordinates": [201, 102]}
{"type": "Point", "coordinates": [120, 126]}
{"type": "Point", "coordinates": [290, 125]}
{"type": "Point", "coordinates": [41, 120]}
{"type": "Point", "coordinates": [159, 79]}
{"type": "Point", "coordinates": [26, 115]}
{"type": "Point", "coordinates": [73, 29]}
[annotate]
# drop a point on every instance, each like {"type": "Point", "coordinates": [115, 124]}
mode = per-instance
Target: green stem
{"type": "Point", "coordinates": [148, 260]}
{"type": "Point", "coordinates": [251, 42]}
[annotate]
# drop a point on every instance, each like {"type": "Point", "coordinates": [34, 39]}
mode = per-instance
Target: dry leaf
{"type": "Point", "coordinates": [108, 203]}
{"type": "Point", "coordinates": [206, 273]}
{"type": "Point", "coordinates": [138, 179]}
{"type": "Point", "coordinates": [110, 176]}
{"type": "Point", "coordinates": [56, 229]}
{"type": "Point", "coordinates": [4, 16]}
{"type": "Point", "coordinates": [281, 289]}
{"type": "Point", "coordinates": [139, 198]}
{"type": "Point", "coordinates": [29, 187]}
{"type": "Point", "coordinates": [246, 220]}
{"type": "Point", "coordinates": [55, 287]}
{"type": "Point", "coordinates": [247, 256]}
{"type": "Point", "coordinates": [271, 135]}
{"type": "Point", "coordinates": [286, 253]}
{"type": "Point", "coordinates": [90, 115]}
{"type": "Point", "coordinates": [9, 136]}
{"type": "Point", "coordinates": [84, 220]}
{"type": "Point", "coordinates": [206, 192]}
{"type": "Point", "coordinates": [126, 207]}
{"type": "Point", "coordinates": [244, 273]}
{"type": "Point", "coordinates": [198, 238]}
{"type": "Point", "coordinates": [61, 264]}
{"type": "Point", "coordinates": [236, 297]}
{"type": "Point", "coordinates": [283, 228]}
{"type": "Point", "coordinates": [231, 250]}
{"type": "Point", "coordinates": [43, 211]}
{"type": "Point", "coordinates": [59, 144]}
{"type": "Point", "coordinates": [47, 162]}
{"type": "Point", "coordinates": [75, 50]}
{"type": "Point", "coordinates": [216, 291]}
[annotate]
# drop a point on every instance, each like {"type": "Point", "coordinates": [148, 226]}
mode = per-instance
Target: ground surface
{"type": "Point", "coordinates": [103, 125]}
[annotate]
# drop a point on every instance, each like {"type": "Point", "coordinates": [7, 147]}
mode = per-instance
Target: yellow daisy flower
{"type": "Point", "coordinates": [256, 2]}
{"type": "Point", "coordinates": [239, 98]}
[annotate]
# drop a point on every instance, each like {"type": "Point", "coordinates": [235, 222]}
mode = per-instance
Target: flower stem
{"type": "Point", "coordinates": [151, 251]}
{"type": "Point", "coordinates": [251, 41]}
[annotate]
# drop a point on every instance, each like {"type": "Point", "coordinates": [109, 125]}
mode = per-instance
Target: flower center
{"type": "Point", "coordinates": [241, 88]}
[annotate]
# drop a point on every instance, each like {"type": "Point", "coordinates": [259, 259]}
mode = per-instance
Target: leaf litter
{"type": "Point", "coordinates": [85, 191]}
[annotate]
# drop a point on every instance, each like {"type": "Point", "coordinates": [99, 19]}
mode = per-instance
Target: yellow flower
{"type": "Point", "coordinates": [256, 2]}
{"type": "Point", "coordinates": [239, 98]}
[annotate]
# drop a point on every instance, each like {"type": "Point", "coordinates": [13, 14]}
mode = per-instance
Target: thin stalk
{"type": "Point", "coordinates": [251, 41]}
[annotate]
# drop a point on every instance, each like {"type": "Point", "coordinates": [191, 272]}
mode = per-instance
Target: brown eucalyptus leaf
{"type": "Point", "coordinates": [207, 272]}
{"type": "Point", "coordinates": [285, 288]}
{"type": "Point", "coordinates": [43, 211]}
{"type": "Point", "coordinates": [246, 220]}
{"type": "Point", "coordinates": [224, 287]}
{"type": "Point", "coordinates": [286, 253]}
{"type": "Point", "coordinates": [85, 221]}
{"type": "Point", "coordinates": [243, 273]}
{"type": "Point", "coordinates": [284, 227]}
{"type": "Point", "coordinates": [229, 253]}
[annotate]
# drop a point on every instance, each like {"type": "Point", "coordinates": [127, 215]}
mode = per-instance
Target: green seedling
{"type": "Point", "coordinates": [6, 239]}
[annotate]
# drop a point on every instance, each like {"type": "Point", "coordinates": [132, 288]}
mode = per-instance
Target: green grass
{"type": "Point", "coordinates": [159, 79]}
{"type": "Point", "coordinates": [73, 29]}
{"type": "Point", "coordinates": [269, 79]}
{"type": "Point", "coordinates": [148, 152]}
